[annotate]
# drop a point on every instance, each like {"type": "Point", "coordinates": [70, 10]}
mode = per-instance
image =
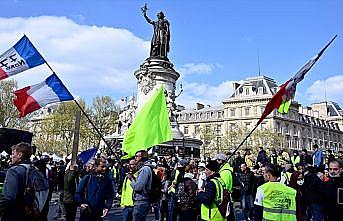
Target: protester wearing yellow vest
{"type": "Point", "coordinates": [225, 170]}
{"type": "Point", "coordinates": [275, 201]}
{"type": "Point", "coordinates": [127, 191]}
{"type": "Point", "coordinates": [295, 159]}
{"type": "Point", "coordinates": [210, 195]}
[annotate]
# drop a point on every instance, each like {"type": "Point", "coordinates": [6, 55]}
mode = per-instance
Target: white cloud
{"type": "Point", "coordinates": [192, 68]}
{"type": "Point", "coordinates": [334, 89]}
{"type": "Point", "coordinates": [205, 93]}
{"type": "Point", "coordinates": [91, 60]}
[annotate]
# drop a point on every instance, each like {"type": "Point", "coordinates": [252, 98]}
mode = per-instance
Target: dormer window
{"type": "Point", "coordinates": [246, 91]}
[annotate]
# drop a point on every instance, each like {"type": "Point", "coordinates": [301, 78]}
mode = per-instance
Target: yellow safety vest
{"type": "Point", "coordinates": [279, 202]}
{"type": "Point", "coordinates": [295, 160]}
{"type": "Point", "coordinates": [225, 173]}
{"type": "Point", "coordinates": [212, 212]}
{"type": "Point", "coordinates": [172, 187]}
{"type": "Point", "coordinates": [280, 161]}
{"type": "Point", "coordinates": [126, 193]}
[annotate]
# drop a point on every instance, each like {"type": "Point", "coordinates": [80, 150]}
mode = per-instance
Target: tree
{"type": "Point", "coordinates": [105, 115]}
{"type": "Point", "coordinates": [267, 138]}
{"type": "Point", "coordinates": [233, 137]}
{"type": "Point", "coordinates": [54, 133]}
{"type": "Point", "coordinates": [9, 116]}
{"type": "Point", "coordinates": [207, 135]}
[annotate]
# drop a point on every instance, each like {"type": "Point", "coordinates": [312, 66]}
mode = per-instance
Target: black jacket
{"type": "Point", "coordinates": [313, 186]}
{"type": "Point", "coordinates": [306, 159]}
{"type": "Point", "coordinates": [247, 181]}
{"type": "Point", "coordinates": [262, 157]}
{"type": "Point", "coordinates": [333, 210]}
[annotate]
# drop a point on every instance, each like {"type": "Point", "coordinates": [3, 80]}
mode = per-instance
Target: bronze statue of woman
{"type": "Point", "coordinates": [161, 37]}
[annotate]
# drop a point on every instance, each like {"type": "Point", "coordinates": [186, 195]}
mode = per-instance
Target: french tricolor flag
{"type": "Point", "coordinates": [22, 56]}
{"type": "Point", "coordinates": [34, 97]}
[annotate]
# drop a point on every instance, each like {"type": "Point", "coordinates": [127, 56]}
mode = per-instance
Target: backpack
{"type": "Point", "coordinates": [184, 198]}
{"type": "Point", "coordinates": [35, 193]}
{"type": "Point", "coordinates": [223, 205]}
{"type": "Point", "coordinates": [156, 187]}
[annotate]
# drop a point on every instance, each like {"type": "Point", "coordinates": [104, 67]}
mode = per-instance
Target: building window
{"type": "Point", "coordinates": [246, 91]}
{"type": "Point", "coordinates": [207, 115]}
{"type": "Point", "coordinates": [197, 115]}
{"type": "Point", "coordinates": [260, 90]}
{"type": "Point", "coordinates": [277, 127]}
{"type": "Point", "coordinates": [263, 126]}
{"type": "Point", "coordinates": [220, 114]}
{"type": "Point", "coordinates": [286, 129]}
{"type": "Point", "coordinates": [219, 128]}
{"type": "Point", "coordinates": [247, 111]}
{"type": "Point", "coordinates": [201, 115]}
{"type": "Point", "coordinates": [295, 132]}
{"type": "Point", "coordinates": [261, 109]}
{"type": "Point", "coordinates": [185, 130]}
{"type": "Point", "coordinates": [232, 112]}
{"type": "Point", "coordinates": [212, 114]}
{"type": "Point", "coordinates": [197, 129]}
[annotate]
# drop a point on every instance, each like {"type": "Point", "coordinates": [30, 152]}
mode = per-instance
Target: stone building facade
{"type": "Point", "coordinates": [301, 127]}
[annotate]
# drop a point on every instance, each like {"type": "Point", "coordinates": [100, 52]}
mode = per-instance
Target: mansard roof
{"type": "Point", "coordinates": [260, 85]}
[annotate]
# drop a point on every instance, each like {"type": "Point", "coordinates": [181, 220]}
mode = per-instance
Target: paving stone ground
{"type": "Point", "coordinates": [115, 214]}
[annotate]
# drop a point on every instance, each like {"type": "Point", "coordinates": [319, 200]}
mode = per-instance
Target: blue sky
{"type": "Point", "coordinates": [95, 46]}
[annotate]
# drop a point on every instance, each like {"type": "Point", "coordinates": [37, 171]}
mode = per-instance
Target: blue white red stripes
{"type": "Point", "coordinates": [22, 56]}
{"type": "Point", "coordinates": [34, 97]}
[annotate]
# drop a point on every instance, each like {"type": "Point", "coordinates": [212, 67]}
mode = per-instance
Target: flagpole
{"type": "Point", "coordinates": [243, 141]}
{"type": "Point", "coordinates": [91, 122]}
{"type": "Point", "coordinates": [318, 56]}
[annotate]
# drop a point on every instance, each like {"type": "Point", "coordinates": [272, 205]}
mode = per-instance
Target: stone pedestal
{"type": "Point", "coordinates": [153, 73]}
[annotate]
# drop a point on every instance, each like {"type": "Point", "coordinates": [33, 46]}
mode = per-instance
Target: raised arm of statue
{"type": "Point", "coordinates": [144, 10]}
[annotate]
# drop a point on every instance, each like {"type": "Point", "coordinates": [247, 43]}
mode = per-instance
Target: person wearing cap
{"type": "Point", "coordinates": [210, 195]}
{"type": "Point", "coordinates": [274, 200]}
{"type": "Point", "coordinates": [225, 170]}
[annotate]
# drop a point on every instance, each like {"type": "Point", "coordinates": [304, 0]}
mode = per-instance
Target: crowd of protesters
{"type": "Point", "coordinates": [278, 185]}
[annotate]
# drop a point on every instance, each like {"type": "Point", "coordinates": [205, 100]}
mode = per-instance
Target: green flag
{"type": "Point", "coordinates": [150, 127]}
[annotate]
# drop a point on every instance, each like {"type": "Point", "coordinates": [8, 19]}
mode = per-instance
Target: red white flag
{"type": "Point", "coordinates": [282, 99]}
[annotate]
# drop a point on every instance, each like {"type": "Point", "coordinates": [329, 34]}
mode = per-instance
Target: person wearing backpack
{"type": "Point", "coordinates": [141, 186]}
{"type": "Point", "coordinates": [15, 204]}
{"type": "Point", "coordinates": [186, 196]}
{"type": "Point", "coordinates": [176, 177]}
{"type": "Point", "coordinates": [95, 193]}
{"type": "Point", "coordinates": [211, 194]}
